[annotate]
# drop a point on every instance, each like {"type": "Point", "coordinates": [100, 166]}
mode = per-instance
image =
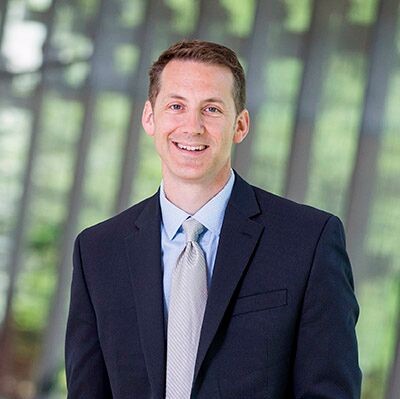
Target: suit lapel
{"type": "Point", "coordinates": [144, 257]}
{"type": "Point", "coordinates": [238, 239]}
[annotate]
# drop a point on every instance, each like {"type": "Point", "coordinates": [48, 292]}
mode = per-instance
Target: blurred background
{"type": "Point", "coordinates": [324, 96]}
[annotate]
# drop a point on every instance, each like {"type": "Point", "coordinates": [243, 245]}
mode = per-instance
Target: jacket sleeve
{"type": "Point", "coordinates": [85, 368]}
{"type": "Point", "coordinates": [326, 363]}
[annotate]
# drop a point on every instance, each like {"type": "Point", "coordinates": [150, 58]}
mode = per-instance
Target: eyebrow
{"type": "Point", "coordinates": [207, 100]}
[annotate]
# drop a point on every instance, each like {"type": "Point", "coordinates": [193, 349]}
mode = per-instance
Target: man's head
{"type": "Point", "coordinates": [195, 112]}
{"type": "Point", "coordinates": [205, 52]}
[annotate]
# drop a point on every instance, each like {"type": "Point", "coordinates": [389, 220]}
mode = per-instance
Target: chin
{"type": "Point", "coordinates": [190, 174]}
{"type": "Point", "coordinates": [191, 177]}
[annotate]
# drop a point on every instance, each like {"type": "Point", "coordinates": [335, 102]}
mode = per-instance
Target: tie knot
{"type": "Point", "coordinates": [192, 229]}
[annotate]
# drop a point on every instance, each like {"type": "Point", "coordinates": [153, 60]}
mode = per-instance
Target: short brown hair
{"type": "Point", "coordinates": [207, 52]}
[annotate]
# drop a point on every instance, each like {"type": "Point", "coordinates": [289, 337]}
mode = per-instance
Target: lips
{"type": "Point", "coordinates": [193, 148]}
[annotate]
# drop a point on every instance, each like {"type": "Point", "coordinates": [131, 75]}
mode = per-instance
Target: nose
{"type": "Point", "coordinates": [194, 123]}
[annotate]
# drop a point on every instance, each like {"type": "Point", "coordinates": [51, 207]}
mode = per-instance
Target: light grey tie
{"type": "Point", "coordinates": [186, 310]}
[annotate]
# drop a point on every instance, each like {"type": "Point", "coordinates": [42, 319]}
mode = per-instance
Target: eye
{"type": "Point", "coordinates": [175, 107]}
{"type": "Point", "coordinates": [212, 109]}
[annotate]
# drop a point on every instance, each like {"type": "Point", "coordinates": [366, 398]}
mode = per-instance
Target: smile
{"type": "Point", "coordinates": [191, 147]}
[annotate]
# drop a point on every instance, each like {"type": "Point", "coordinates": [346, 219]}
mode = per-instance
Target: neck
{"type": "Point", "coordinates": [191, 196]}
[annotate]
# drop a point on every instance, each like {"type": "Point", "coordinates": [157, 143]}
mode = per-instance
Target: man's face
{"type": "Point", "coordinates": [194, 122]}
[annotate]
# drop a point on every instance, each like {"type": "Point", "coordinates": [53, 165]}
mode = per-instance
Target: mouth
{"type": "Point", "coordinates": [191, 148]}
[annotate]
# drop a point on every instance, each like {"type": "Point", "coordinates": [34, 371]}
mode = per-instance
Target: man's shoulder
{"type": "Point", "coordinates": [293, 215]}
{"type": "Point", "coordinates": [274, 204]}
{"type": "Point", "coordinates": [295, 221]}
{"type": "Point", "coordinates": [281, 205]}
{"type": "Point", "coordinates": [121, 224]}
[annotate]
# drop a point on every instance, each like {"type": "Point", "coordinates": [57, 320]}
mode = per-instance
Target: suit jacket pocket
{"type": "Point", "coordinates": [261, 301]}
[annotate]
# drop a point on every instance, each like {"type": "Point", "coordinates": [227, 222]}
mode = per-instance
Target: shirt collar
{"type": "Point", "coordinates": [172, 216]}
{"type": "Point", "coordinates": [210, 215]}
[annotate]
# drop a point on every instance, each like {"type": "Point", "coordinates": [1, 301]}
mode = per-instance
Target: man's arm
{"type": "Point", "coordinates": [85, 369]}
{"type": "Point", "coordinates": [326, 364]}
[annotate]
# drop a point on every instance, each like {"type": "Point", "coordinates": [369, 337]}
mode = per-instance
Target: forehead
{"type": "Point", "coordinates": [188, 74]}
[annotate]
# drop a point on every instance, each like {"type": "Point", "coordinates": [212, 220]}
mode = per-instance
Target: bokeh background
{"type": "Point", "coordinates": [324, 96]}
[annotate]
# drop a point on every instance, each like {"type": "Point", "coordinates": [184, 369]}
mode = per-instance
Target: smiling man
{"type": "Point", "coordinates": [212, 288]}
{"type": "Point", "coordinates": [194, 121]}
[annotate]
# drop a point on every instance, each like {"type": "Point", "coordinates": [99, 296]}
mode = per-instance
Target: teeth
{"type": "Point", "coordinates": [191, 148]}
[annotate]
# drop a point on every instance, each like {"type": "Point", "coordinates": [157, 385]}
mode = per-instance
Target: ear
{"type": "Point", "coordinates": [242, 126]}
{"type": "Point", "coordinates": [148, 118]}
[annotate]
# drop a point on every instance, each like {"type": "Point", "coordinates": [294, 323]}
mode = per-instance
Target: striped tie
{"type": "Point", "coordinates": [186, 310]}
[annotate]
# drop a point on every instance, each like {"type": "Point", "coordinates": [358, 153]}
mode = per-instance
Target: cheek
{"type": "Point", "coordinates": [219, 129]}
{"type": "Point", "coordinates": [166, 123]}
{"type": "Point", "coordinates": [161, 135]}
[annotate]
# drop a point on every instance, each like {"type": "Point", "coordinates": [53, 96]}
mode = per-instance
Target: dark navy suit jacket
{"type": "Point", "coordinates": [280, 317]}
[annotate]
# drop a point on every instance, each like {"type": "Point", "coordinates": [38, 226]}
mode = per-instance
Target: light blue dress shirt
{"type": "Point", "coordinates": [211, 216]}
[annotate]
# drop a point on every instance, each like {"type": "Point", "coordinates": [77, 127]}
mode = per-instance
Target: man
{"type": "Point", "coordinates": [211, 288]}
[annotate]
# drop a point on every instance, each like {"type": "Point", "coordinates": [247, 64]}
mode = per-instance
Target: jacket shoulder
{"type": "Point", "coordinates": [119, 225]}
{"type": "Point", "coordinates": [290, 213]}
